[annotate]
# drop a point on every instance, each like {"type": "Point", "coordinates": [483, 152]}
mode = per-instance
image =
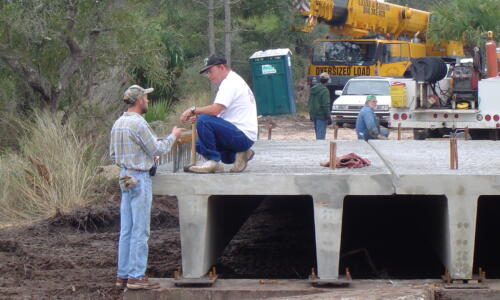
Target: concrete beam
{"type": "Point", "coordinates": [328, 231]}
{"type": "Point", "coordinates": [197, 235]}
{"type": "Point", "coordinates": [279, 168]}
{"type": "Point", "coordinates": [292, 168]}
{"type": "Point", "coordinates": [423, 168]}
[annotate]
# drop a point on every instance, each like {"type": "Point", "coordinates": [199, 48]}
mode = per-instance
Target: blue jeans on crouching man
{"type": "Point", "coordinates": [219, 139]}
{"type": "Point", "coordinates": [135, 214]}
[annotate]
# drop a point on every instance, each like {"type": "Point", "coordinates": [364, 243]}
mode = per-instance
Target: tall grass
{"type": "Point", "coordinates": [53, 171]}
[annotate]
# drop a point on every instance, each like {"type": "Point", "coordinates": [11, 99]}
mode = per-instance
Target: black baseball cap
{"type": "Point", "coordinates": [212, 60]}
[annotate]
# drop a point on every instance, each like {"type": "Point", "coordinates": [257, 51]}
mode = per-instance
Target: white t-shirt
{"type": "Point", "coordinates": [241, 110]}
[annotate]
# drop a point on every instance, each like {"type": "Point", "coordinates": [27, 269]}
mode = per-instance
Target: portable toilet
{"type": "Point", "coordinates": [273, 81]}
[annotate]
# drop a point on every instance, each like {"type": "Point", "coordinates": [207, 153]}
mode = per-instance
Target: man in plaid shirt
{"type": "Point", "coordinates": [133, 148]}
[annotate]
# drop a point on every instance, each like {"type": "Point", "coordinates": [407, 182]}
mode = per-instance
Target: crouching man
{"type": "Point", "coordinates": [226, 129]}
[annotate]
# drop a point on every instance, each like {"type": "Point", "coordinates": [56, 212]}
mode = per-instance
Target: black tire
{"type": "Point", "coordinates": [419, 134]}
{"type": "Point", "coordinates": [484, 134]}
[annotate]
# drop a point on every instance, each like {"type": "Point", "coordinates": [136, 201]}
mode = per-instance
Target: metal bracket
{"type": "Point", "coordinates": [208, 281]}
{"type": "Point", "coordinates": [333, 283]}
{"type": "Point", "coordinates": [477, 282]}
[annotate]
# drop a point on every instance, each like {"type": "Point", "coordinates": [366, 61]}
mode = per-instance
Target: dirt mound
{"type": "Point", "coordinates": [73, 256]}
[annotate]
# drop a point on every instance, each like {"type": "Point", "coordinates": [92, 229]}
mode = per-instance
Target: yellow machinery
{"type": "Point", "coordinates": [400, 36]}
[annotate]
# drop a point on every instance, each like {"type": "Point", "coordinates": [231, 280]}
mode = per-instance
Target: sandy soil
{"type": "Point", "coordinates": [74, 256]}
{"type": "Point", "coordinates": [298, 127]}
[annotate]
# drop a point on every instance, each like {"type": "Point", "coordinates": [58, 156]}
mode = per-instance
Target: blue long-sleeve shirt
{"type": "Point", "coordinates": [367, 124]}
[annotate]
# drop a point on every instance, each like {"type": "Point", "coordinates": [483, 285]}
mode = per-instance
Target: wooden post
{"type": "Point", "coordinates": [452, 157]}
{"type": "Point", "coordinates": [269, 131]}
{"type": "Point", "coordinates": [333, 155]}
{"type": "Point", "coordinates": [466, 133]}
{"type": "Point", "coordinates": [193, 144]}
{"type": "Point", "coordinates": [453, 154]}
{"type": "Point", "coordinates": [336, 132]}
{"type": "Point", "coordinates": [399, 131]}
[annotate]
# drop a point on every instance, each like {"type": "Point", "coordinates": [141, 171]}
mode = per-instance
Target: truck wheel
{"type": "Point", "coordinates": [484, 134]}
{"type": "Point", "coordinates": [419, 134]}
{"type": "Point", "coordinates": [339, 124]}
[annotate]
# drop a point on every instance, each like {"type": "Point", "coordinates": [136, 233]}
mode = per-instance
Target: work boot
{"type": "Point", "coordinates": [242, 158]}
{"type": "Point", "coordinates": [121, 282]}
{"type": "Point", "coordinates": [210, 166]}
{"type": "Point", "coordinates": [141, 284]}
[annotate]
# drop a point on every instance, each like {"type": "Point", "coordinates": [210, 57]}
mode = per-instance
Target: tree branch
{"type": "Point", "coordinates": [76, 55]}
{"type": "Point", "coordinates": [25, 68]}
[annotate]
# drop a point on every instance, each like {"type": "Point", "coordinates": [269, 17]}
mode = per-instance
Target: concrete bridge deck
{"type": "Point", "coordinates": [208, 222]}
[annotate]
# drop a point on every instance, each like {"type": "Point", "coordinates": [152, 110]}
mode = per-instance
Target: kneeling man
{"type": "Point", "coordinates": [227, 129]}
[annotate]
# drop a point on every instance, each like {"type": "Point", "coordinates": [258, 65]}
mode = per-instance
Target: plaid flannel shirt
{"type": "Point", "coordinates": [133, 143]}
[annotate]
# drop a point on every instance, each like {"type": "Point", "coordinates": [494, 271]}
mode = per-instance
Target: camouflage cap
{"type": "Point", "coordinates": [135, 92]}
{"type": "Point", "coordinates": [324, 75]}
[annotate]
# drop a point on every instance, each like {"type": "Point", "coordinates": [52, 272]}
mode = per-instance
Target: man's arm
{"type": "Point", "coordinates": [212, 109]}
{"type": "Point", "coordinates": [151, 145]}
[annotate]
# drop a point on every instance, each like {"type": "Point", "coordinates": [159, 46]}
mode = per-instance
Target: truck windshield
{"type": "Point", "coordinates": [367, 87]}
{"type": "Point", "coordinates": [344, 53]}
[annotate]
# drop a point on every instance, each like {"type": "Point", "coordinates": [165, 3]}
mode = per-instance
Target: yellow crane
{"type": "Point", "coordinates": [380, 39]}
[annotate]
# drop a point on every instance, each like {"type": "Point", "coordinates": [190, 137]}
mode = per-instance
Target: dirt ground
{"type": "Point", "coordinates": [74, 256]}
{"type": "Point", "coordinates": [298, 127]}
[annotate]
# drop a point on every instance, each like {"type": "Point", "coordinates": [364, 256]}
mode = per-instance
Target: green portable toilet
{"type": "Point", "coordinates": [273, 81]}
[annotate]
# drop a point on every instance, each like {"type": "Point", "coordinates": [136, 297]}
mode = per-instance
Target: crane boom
{"type": "Point", "coordinates": [357, 18]}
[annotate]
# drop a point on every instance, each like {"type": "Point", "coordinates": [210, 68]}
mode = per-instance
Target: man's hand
{"type": "Point", "coordinates": [192, 119]}
{"type": "Point", "coordinates": [381, 137]}
{"type": "Point", "coordinates": [329, 121]}
{"type": "Point", "coordinates": [178, 131]}
{"type": "Point", "coordinates": [186, 115]}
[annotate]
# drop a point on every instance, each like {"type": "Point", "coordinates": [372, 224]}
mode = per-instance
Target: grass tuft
{"type": "Point", "coordinates": [53, 172]}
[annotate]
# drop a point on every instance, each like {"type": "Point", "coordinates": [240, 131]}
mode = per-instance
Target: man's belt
{"type": "Point", "coordinates": [151, 171]}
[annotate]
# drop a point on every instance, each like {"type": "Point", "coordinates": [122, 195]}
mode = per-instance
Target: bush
{"type": "Point", "coordinates": [54, 171]}
{"type": "Point", "coordinates": [158, 111]}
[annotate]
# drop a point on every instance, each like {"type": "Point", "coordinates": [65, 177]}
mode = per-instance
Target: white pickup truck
{"type": "Point", "coordinates": [352, 98]}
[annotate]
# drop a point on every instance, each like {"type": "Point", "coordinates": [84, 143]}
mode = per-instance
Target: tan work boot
{"type": "Point", "coordinates": [242, 158]}
{"type": "Point", "coordinates": [141, 284]}
{"type": "Point", "coordinates": [210, 166]}
{"type": "Point", "coordinates": [121, 282]}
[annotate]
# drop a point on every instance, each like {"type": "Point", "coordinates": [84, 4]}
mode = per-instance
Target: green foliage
{"type": "Point", "coordinates": [127, 35]}
{"type": "Point", "coordinates": [466, 20]}
{"type": "Point", "coordinates": [160, 60]}
{"type": "Point", "coordinates": [158, 110]}
{"type": "Point", "coordinates": [190, 82]}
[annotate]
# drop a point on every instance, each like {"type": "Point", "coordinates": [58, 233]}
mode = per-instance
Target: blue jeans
{"type": "Point", "coordinates": [320, 128]}
{"type": "Point", "coordinates": [382, 130]}
{"type": "Point", "coordinates": [219, 139]}
{"type": "Point", "coordinates": [135, 213]}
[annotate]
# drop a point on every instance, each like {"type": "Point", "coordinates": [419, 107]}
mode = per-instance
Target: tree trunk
{"type": "Point", "coordinates": [227, 31]}
{"type": "Point", "coordinates": [211, 30]}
